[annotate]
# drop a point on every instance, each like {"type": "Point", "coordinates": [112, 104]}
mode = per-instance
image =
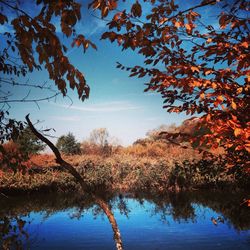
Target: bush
{"type": "Point", "coordinates": [11, 158]}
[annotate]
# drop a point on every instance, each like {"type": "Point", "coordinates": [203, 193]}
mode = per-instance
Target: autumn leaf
{"type": "Point", "coordinates": [136, 9]}
{"type": "Point", "coordinates": [96, 5]}
{"type": "Point", "coordinates": [195, 69]}
{"type": "Point", "coordinates": [188, 27]}
{"type": "Point", "coordinates": [177, 25]}
{"type": "Point", "coordinates": [202, 96]}
{"type": "Point", "coordinates": [214, 85]}
{"type": "Point", "coordinates": [220, 98]}
{"type": "Point", "coordinates": [245, 45]}
{"type": "Point", "coordinates": [239, 90]}
{"type": "Point", "coordinates": [105, 11]}
{"type": "Point", "coordinates": [209, 40]}
{"type": "Point", "coordinates": [223, 21]}
{"type": "Point", "coordinates": [234, 106]}
{"type": "Point", "coordinates": [3, 19]}
{"type": "Point", "coordinates": [237, 131]}
{"type": "Point", "coordinates": [208, 72]}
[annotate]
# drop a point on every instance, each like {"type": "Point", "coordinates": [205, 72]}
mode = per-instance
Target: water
{"type": "Point", "coordinates": [182, 221]}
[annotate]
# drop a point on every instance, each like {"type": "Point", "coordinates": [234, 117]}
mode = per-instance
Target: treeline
{"type": "Point", "coordinates": [26, 149]}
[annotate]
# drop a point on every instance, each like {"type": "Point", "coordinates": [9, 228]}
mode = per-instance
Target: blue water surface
{"type": "Point", "coordinates": [146, 226]}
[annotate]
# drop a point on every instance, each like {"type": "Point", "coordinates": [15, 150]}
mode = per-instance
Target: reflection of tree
{"type": "Point", "coordinates": [13, 233]}
{"type": "Point", "coordinates": [179, 206]}
{"type": "Point", "coordinates": [229, 205]}
{"type": "Point", "coordinates": [123, 206]}
{"type": "Point", "coordinates": [12, 226]}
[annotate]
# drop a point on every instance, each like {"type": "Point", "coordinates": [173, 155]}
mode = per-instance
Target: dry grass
{"type": "Point", "coordinates": [155, 167]}
{"type": "Point", "coordinates": [161, 149]}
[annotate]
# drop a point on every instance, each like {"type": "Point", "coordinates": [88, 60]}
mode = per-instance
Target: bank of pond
{"type": "Point", "coordinates": [126, 174]}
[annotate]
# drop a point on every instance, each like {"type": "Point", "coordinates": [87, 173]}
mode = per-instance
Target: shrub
{"type": "Point", "coordinates": [11, 157]}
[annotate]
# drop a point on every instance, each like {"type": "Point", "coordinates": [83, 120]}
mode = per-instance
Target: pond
{"type": "Point", "coordinates": [200, 220]}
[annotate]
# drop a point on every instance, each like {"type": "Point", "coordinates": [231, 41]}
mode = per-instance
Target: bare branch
{"type": "Point", "coordinates": [16, 8]}
{"type": "Point", "coordinates": [31, 100]}
{"type": "Point", "coordinates": [11, 81]}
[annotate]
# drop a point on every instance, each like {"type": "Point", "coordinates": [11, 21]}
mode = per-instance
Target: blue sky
{"type": "Point", "coordinates": [116, 101]}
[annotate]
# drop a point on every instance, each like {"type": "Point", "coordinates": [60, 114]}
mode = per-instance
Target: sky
{"type": "Point", "coordinates": [117, 102]}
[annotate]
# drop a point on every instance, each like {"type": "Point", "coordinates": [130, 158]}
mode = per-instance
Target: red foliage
{"type": "Point", "coordinates": [42, 160]}
{"type": "Point", "coordinates": [11, 158]}
{"type": "Point", "coordinates": [210, 78]}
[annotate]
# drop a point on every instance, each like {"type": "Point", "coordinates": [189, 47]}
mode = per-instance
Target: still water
{"type": "Point", "coordinates": [174, 221]}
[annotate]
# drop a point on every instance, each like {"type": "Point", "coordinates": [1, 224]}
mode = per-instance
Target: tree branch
{"type": "Point", "coordinates": [15, 83]}
{"type": "Point", "coordinates": [191, 8]}
{"type": "Point", "coordinates": [16, 8]}
{"type": "Point", "coordinates": [31, 100]}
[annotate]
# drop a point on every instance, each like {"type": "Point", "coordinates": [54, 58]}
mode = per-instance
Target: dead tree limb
{"type": "Point", "coordinates": [78, 178]}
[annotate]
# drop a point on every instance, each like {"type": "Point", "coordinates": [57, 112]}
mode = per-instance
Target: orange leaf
{"type": "Point", "coordinates": [177, 24]}
{"type": "Point", "coordinates": [195, 69]}
{"type": "Point", "coordinates": [209, 40]}
{"type": "Point", "coordinates": [223, 21]}
{"type": "Point", "coordinates": [244, 44]}
{"type": "Point", "coordinates": [239, 90]}
{"type": "Point", "coordinates": [207, 72]}
{"type": "Point", "coordinates": [188, 27]}
{"type": "Point", "coordinates": [220, 98]}
{"type": "Point", "coordinates": [202, 96]}
{"type": "Point", "coordinates": [208, 118]}
{"type": "Point", "coordinates": [214, 85]}
{"type": "Point", "coordinates": [234, 118]}
{"type": "Point", "coordinates": [234, 106]}
{"type": "Point", "coordinates": [78, 43]}
{"type": "Point", "coordinates": [237, 131]}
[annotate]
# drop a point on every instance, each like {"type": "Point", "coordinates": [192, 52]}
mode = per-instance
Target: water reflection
{"type": "Point", "coordinates": [173, 221]}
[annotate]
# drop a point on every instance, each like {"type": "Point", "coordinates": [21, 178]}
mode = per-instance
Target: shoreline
{"type": "Point", "coordinates": [124, 173]}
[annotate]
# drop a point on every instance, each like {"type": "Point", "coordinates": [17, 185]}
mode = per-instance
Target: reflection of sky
{"type": "Point", "coordinates": [116, 102]}
{"type": "Point", "coordinates": [143, 229]}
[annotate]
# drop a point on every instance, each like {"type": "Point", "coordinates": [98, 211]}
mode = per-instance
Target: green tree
{"type": "Point", "coordinates": [68, 144]}
{"type": "Point", "coordinates": [28, 143]}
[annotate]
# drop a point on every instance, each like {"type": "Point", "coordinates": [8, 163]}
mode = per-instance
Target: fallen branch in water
{"type": "Point", "coordinates": [80, 180]}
